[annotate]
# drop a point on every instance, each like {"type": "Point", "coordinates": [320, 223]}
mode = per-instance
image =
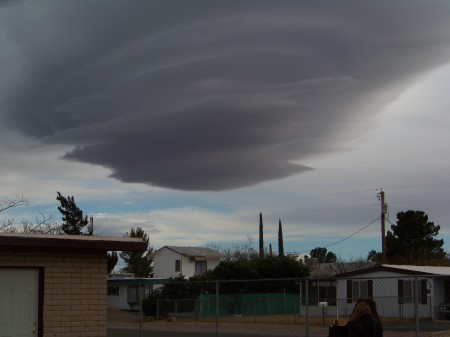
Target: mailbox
{"type": "Point", "coordinates": [323, 304]}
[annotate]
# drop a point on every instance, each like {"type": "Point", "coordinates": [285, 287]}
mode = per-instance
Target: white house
{"type": "Point", "coordinates": [394, 288]}
{"type": "Point", "coordinates": [124, 290]}
{"type": "Point", "coordinates": [172, 261]}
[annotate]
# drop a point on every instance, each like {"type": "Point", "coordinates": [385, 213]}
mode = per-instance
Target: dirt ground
{"type": "Point", "coordinates": [273, 322]}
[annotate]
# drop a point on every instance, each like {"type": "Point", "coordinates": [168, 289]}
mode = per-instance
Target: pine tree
{"type": "Point", "coordinates": [280, 239]}
{"type": "Point", "coordinates": [73, 219]}
{"type": "Point", "coordinates": [413, 239]}
{"type": "Point", "coordinates": [112, 261]}
{"type": "Point", "coordinates": [138, 263]}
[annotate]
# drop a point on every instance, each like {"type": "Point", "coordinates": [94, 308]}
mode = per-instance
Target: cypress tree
{"type": "Point", "coordinates": [280, 240]}
{"type": "Point", "coordinates": [261, 239]}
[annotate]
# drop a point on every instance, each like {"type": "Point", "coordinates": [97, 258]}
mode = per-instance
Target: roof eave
{"type": "Point", "coordinates": [72, 242]}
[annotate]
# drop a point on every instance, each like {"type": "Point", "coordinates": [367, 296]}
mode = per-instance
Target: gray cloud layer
{"type": "Point", "coordinates": [204, 95]}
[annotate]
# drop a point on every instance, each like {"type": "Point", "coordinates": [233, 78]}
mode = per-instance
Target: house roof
{"type": "Point", "coordinates": [336, 268]}
{"type": "Point", "coordinates": [401, 269]}
{"type": "Point", "coordinates": [8, 240]}
{"type": "Point", "coordinates": [192, 252]}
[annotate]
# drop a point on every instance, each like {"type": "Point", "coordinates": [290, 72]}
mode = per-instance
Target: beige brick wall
{"type": "Point", "coordinates": [74, 289]}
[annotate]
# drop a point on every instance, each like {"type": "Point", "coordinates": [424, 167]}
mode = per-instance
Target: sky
{"type": "Point", "coordinates": [189, 118]}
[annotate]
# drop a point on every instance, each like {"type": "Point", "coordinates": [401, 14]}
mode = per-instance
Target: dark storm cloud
{"type": "Point", "coordinates": [204, 95]}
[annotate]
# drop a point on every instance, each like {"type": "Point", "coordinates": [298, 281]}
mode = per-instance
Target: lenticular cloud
{"type": "Point", "coordinates": [204, 96]}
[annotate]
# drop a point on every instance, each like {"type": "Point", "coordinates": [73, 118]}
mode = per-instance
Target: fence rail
{"type": "Point", "coordinates": [407, 306]}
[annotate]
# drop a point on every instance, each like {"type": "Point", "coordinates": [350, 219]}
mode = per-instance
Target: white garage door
{"type": "Point", "coordinates": [19, 302]}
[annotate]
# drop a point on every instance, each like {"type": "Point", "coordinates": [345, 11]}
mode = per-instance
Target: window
{"type": "Point", "coordinates": [406, 291]}
{"type": "Point", "coordinates": [177, 265]}
{"type": "Point", "coordinates": [200, 267]}
{"type": "Point", "coordinates": [359, 289]}
{"type": "Point", "coordinates": [113, 290]}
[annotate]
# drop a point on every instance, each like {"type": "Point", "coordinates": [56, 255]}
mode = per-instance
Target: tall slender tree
{"type": "Point", "coordinates": [280, 239]}
{"type": "Point", "coordinates": [73, 219]}
{"type": "Point", "coordinates": [261, 236]}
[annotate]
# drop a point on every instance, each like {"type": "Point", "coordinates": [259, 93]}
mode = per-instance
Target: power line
{"type": "Point", "coordinates": [417, 186]}
{"type": "Point", "coordinates": [324, 195]}
{"type": "Point", "coordinates": [290, 213]}
{"type": "Point", "coordinates": [346, 238]}
{"type": "Point", "coordinates": [293, 199]}
{"type": "Point", "coordinates": [419, 201]}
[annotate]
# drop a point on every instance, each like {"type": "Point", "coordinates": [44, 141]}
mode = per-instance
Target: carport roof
{"type": "Point", "coordinates": [71, 241]}
{"type": "Point", "coordinates": [401, 269]}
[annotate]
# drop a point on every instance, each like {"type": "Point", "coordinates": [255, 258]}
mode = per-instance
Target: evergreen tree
{"type": "Point", "coordinates": [374, 256]}
{"type": "Point", "coordinates": [112, 261]}
{"type": "Point", "coordinates": [412, 239]}
{"type": "Point", "coordinates": [322, 255]}
{"type": "Point", "coordinates": [280, 239]}
{"type": "Point", "coordinates": [138, 263]}
{"type": "Point", "coordinates": [268, 268]}
{"type": "Point", "coordinates": [73, 219]}
{"type": "Point", "coordinates": [261, 238]}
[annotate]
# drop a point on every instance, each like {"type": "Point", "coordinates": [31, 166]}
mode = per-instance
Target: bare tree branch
{"type": "Point", "coordinates": [44, 224]}
{"type": "Point", "coordinates": [8, 203]}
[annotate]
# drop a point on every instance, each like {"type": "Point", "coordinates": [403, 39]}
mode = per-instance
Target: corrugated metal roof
{"type": "Point", "coordinates": [436, 270]}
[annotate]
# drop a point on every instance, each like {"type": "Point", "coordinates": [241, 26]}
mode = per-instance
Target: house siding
{"type": "Point", "coordinates": [119, 301]}
{"type": "Point", "coordinates": [74, 289]}
{"type": "Point", "coordinates": [386, 294]}
{"type": "Point", "coordinates": [164, 264]}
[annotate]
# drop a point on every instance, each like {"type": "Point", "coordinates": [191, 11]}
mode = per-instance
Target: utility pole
{"type": "Point", "coordinates": [383, 225]}
{"type": "Point", "coordinates": [91, 226]}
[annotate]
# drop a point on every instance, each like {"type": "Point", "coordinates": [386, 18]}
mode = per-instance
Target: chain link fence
{"type": "Point", "coordinates": [407, 306]}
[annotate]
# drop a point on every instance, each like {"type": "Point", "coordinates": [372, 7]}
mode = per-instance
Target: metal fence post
{"type": "Point", "coordinates": [201, 304]}
{"type": "Point", "coordinates": [141, 295]}
{"type": "Point", "coordinates": [300, 300]}
{"type": "Point", "coordinates": [306, 310]}
{"type": "Point", "coordinates": [217, 308]}
{"type": "Point", "coordinates": [157, 309]}
{"type": "Point", "coordinates": [416, 304]}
